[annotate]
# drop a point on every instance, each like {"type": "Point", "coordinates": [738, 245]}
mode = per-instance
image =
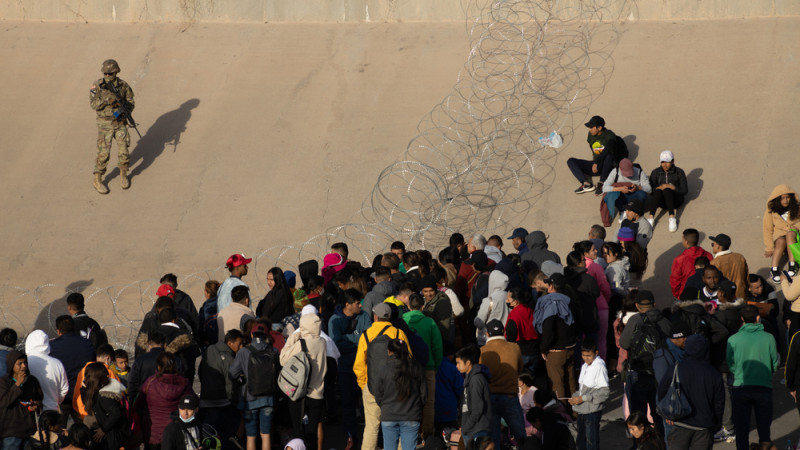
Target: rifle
{"type": "Point", "coordinates": [125, 107]}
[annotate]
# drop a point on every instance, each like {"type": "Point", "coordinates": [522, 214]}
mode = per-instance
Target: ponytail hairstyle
{"type": "Point", "coordinates": [48, 421]}
{"type": "Point", "coordinates": [583, 246]}
{"type": "Point", "coordinates": [637, 256]}
{"type": "Point", "coordinates": [404, 378]}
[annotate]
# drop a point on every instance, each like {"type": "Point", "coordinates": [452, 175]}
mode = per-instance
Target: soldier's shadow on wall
{"type": "Point", "coordinates": [46, 319]}
{"type": "Point", "coordinates": [164, 133]}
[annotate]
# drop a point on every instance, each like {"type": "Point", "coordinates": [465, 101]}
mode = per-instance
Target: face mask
{"type": "Point", "coordinates": [186, 420]}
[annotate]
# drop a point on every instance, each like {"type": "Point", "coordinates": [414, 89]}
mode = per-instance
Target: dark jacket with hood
{"type": "Point", "coordinates": [378, 294]}
{"type": "Point", "coordinates": [15, 418]}
{"type": "Point", "coordinates": [441, 311]}
{"type": "Point", "coordinates": [109, 408]}
{"type": "Point", "coordinates": [183, 300]}
{"type": "Point", "coordinates": [88, 328]}
{"type": "Point", "coordinates": [654, 315]}
{"type": "Point", "coordinates": [277, 304]}
{"type": "Point", "coordinates": [216, 388]}
{"type": "Point", "coordinates": [701, 384]}
{"type": "Point", "coordinates": [181, 344]}
{"type": "Point", "coordinates": [150, 323]}
{"type": "Point", "coordinates": [475, 414]}
{"type": "Point", "coordinates": [537, 249]}
{"type": "Point", "coordinates": [178, 432]}
{"type": "Point", "coordinates": [393, 408]}
{"type": "Point", "coordinates": [694, 314]}
{"type": "Point", "coordinates": [730, 316]}
{"type": "Point", "coordinates": [143, 368]}
{"type": "Point", "coordinates": [583, 288]}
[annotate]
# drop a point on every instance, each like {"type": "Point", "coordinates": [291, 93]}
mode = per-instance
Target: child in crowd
{"type": "Point", "coordinates": [592, 392]}
{"type": "Point", "coordinates": [526, 391]}
{"type": "Point", "coordinates": [642, 432]}
{"type": "Point", "coordinates": [476, 405]}
{"type": "Point", "coordinates": [120, 366]}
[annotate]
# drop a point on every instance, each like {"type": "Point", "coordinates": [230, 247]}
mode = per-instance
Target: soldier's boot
{"type": "Point", "coordinates": [124, 182]}
{"type": "Point", "coordinates": [98, 184]}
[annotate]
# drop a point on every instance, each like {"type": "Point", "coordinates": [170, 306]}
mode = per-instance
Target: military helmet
{"type": "Point", "coordinates": [110, 66]}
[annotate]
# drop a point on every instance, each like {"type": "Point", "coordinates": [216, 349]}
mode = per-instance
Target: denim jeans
{"type": "Point", "coordinates": [617, 200]}
{"type": "Point", "coordinates": [404, 432]}
{"type": "Point", "coordinates": [507, 407]}
{"type": "Point", "coordinates": [745, 399]}
{"type": "Point", "coordinates": [589, 431]}
{"type": "Point", "coordinates": [641, 392]}
{"type": "Point", "coordinates": [12, 443]}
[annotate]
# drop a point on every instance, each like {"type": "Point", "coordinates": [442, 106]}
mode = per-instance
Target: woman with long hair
{"type": "Point", "coordinates": [637, 255]}
{"type": "Point", "coordinates": [642, 432]}
{"type": "Point", "coordinates": [781, 219]}
{"type": "Point", "coordinates": [48, 435]}
{"type": "Point", "coordinates": [279, 301]}
{"type": "Point", "coordinates": [161, 393]}
{"type": "Point", "coordinates": [627, 311]}
{"type": "Point", "coordinates": [401, 395]}
{"type": "Point", "coordinates": [104, 400]}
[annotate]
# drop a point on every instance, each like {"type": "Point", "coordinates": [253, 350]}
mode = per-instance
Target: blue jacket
{"type": "Point", "coordinates": [345, 338]}
{"type": "Point", "coordinates": [664, 360]}
{"type": "Point", "coordinates": [449, 388]}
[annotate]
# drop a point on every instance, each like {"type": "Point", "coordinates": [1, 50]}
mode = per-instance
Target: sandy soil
{"type": "Point", "coordinates": [257, 136]}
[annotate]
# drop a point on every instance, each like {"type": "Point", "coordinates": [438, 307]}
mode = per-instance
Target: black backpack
{"type": "Point", "coordinates": [262, 371]}
{"type": "Point", "coordinates": [647, 338]}
{"type": "Point", "coordinates": [378, 354]}
{"type": "Point", "coordinates": [619, 150]}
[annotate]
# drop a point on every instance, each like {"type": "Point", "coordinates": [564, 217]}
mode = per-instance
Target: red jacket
{"type": "Point", "coordinates": [522, 316]}
{"type": "Point", "coordinates": [683, 268]}
{"type": "Point", "coordinates": [162, 395]}
{"type": "Point", "coordinates": [466, 280]}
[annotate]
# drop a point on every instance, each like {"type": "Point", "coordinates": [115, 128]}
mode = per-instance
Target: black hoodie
{"type": "Point", "coordinates": [701, 384]}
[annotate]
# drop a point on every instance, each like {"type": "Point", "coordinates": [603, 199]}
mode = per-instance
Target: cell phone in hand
{"type": "Point", "coordinates": [788, 277]}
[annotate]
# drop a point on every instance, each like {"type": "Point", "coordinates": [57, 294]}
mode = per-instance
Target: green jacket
{"type": "Point", "coordinates": [426, 328]}
{"type": "Point", "coordinates": [752, 356]}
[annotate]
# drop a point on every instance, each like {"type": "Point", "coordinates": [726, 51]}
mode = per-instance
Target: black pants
{"type": "Point", "coordinates": [685, 438]}
{"type": "Point", "coordinates": [315, 408]}
{"type": "Point", "coordinates": [666, 199]}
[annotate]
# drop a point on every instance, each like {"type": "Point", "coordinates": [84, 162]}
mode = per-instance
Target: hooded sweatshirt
{"type": "Point", "coordinates": [752, 356]}
{"type": "Point", "coordinates": [16, 419]}
{"type": "Point", "coordinates": [48, 370]}
{"type": "Point", "coordinates": [111, 415]}
{"type": "Point", "coordinates": [702, 386]}
{"type": "Point", "coordinates": [494, 306]}
{"type": "Point", "coordinates": [426, 328]}
{"type": "Point", "coordinates": [537, 249]}
{"type": "Point", "coordinates": [777, 225]}
{"type": "Point", "coordinates": [493, 253]}
{"type": "Point", "coordinates": [310, 332]}
{"type": "Point", "coordinates": [378, 294]}
{"type": "Point", "coordinates": [618, 274]}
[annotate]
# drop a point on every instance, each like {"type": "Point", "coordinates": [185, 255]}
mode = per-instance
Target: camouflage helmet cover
{"type": "Point", "coordinates": [110, 66]}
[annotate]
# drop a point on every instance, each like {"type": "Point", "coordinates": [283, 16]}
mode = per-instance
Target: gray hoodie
{"type": "Point", "coordinates": [537, 249]}
{"type": "Point", "coordinates": [618, 274]}
{"type": "Point", "coordinates": [494, 306]}
{"type": "Point", "coordinates": [378, 294]}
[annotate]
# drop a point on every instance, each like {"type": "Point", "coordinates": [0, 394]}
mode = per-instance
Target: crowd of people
{"type": "Point", "coordinates": [490, 348]}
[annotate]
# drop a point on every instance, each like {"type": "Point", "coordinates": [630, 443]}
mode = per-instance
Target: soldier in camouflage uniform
{"type": "Point", "coordinates": [110, 125]}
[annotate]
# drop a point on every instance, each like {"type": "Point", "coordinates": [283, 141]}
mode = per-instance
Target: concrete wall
{"type": "Point", "coordinates": [257, 11]}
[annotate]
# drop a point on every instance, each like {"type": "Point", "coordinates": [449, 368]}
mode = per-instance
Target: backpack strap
{"type": "Point", "coordinates": [303, 346]}
{"type": "Point", "coordinates": [366, 337]}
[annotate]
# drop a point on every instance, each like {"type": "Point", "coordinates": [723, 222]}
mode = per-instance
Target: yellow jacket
{"type": "Point", "coordinates": [360, 366]}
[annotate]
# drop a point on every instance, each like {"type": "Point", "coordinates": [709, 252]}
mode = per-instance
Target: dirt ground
{"type": "Point", "coordinates": [257, 138]}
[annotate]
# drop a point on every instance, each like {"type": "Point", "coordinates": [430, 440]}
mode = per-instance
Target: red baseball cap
{"type": "Point", "coordinates": [165, 290]}
{"type": "Point", "coordinates": [237, 260]}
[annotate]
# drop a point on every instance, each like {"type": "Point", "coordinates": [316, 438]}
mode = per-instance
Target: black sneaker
{"type": "Point", "coordinates": [585, 187]}
{"type": "Point", "coordinates": [598, 191]}
{"type": "Point", "coordinates": [775, 275]}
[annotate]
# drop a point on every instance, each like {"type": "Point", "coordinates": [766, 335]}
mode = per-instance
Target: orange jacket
{"type": "Point", "coordinates": [77, 401]}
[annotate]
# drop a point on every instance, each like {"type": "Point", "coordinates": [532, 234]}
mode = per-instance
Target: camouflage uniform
{"type": "Point", "coordinates": [109, 127]}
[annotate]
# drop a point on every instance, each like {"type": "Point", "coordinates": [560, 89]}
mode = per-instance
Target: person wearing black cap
{"type": "Point", "coordinates": [554, 320]}
{"type": "Point", "coordinates": [518, 240]}
{"type": "Point", "coordinates": [602, 142]}
{"type": "Point", "coordinates": [634, 212]}
{"type": "Point", "coordinates": [504, 361]}
{"type": "Point", "coordinates": [184, 431]}
{"type": "Point", "coordinates": [732, 265]}
{"type": "Point", "coordinates": [641, 384]}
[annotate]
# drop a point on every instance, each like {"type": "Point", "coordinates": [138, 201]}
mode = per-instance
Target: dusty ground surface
{"type": "Point", "coordinates": [257, 136]}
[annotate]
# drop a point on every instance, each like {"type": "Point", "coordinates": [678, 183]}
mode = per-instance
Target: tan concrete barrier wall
{"type": "Point", "coordinates": [255, 11]}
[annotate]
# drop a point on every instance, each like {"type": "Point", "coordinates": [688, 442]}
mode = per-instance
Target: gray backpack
{"type": "Point", "coordinates": [293, 380]}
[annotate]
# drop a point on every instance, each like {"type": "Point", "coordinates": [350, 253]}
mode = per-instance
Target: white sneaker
{"type": "Point", "coordinates": [673, 224]}
{"type": "Point", "coordinates": [651, 221]}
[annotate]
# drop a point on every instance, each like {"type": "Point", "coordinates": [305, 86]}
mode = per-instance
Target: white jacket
{"type": "Point", "coordinates": [48, 371]}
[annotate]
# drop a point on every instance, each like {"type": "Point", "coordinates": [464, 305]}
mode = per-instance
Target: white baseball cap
{"type": "Point", "coordinates": [667, 156]}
